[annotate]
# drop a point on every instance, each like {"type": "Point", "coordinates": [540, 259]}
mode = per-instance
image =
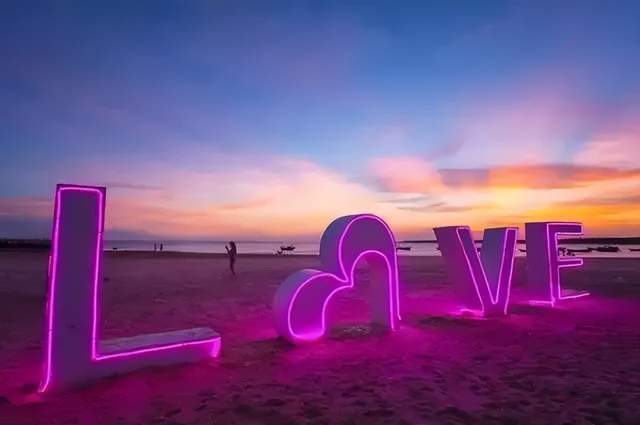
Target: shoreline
{"type": "Point", "coordinates": [192, 254]}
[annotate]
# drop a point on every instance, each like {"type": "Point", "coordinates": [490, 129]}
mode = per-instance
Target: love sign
{"type": "Point", "coordinates": [74, 351]}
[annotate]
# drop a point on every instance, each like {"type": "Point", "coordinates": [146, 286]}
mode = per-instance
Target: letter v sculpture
{"type": "Point", "coordinates": [482, 282]}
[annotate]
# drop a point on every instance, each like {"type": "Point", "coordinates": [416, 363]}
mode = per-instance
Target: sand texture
{"type": "Point", "coordinates": [576, 364]}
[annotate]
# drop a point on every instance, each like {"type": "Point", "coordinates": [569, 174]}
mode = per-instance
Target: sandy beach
{"type": "Point", "coordinates": [576, 364]}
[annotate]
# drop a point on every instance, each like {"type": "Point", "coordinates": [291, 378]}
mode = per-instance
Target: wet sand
{"type": "Point", "coordinates": [576, 364]}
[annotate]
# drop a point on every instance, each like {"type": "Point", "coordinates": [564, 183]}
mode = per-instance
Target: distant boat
{"type": "Point", "coordinates": [438, 248]}
{"type": "Point", "coordinates": [284, 249]}
{"type": "Point", "coordinates": [574, 250]}
{"type": "Point", "coordinates": [608, 248]}
{"type": "Point", "coordinates": [25, 244]}
{"type": "Point", "coordinates": [403, 248]}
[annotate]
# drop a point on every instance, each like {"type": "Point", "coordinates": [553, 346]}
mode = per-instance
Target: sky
{"type": "Point", "coordinates": [267, 120]}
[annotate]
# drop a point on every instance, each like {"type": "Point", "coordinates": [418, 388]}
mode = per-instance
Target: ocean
{"type": "Point", "coordinates": [312, 248]}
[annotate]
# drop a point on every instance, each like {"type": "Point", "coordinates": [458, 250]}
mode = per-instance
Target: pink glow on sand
{"type": "Point", "coordinates": [95, 355]}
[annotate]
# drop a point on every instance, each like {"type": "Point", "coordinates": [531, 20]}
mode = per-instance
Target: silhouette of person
{"type": "Point", "coordinates": [232, 251]}
{"type": "Point", "coordinates": [161, 247]}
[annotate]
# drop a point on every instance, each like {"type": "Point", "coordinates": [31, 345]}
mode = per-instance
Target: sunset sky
{"type": "Point", "coordinates": [266, 120]}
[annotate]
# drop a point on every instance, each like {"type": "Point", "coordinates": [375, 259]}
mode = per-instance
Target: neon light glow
{"type": "Point", "coordinates": [544, 264]}
{"type": "Point", "coordinates": [301, 301]}
{"type": "Point", "coordinates": [74, 352]}
{"type": "Point", "coordinates": [483, 282]}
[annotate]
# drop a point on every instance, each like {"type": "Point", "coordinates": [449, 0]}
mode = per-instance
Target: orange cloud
{"type": "Point", "coordinates": [600, 220]}
{"type": "Point", "coordinates": [284, 197]}
{"type": "Point", "coordinates": [534, 176]}
{"type": "Point", "coordinates": [511, 195]}
{"type": "Point", "coordinates": [275, 197]}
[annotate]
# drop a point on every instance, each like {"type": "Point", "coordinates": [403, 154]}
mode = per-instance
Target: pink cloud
{"type": "Point", "coordinates": [618, 145]}
{"type": "Point", "coordinates": [405, 174]}
{"type": "Point", "coordinates": [235, 195]}
{"type": "Point", "coordinates": [529, 122]}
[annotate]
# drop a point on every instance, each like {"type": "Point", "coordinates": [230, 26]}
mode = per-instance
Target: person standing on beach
{"type": "Point", "coordinates": [232, 251]}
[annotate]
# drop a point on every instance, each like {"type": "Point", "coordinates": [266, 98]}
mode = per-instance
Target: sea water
{"type": "Point", "coordinates": [312, 248]}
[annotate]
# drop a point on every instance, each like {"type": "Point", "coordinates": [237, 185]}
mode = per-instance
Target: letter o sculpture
{"type": "Point", "coordinates": [301, 301]}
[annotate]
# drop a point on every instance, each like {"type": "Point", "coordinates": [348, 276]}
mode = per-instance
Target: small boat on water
{"type": "Point", "coordinates": [607, 248]}
{"type": "Point", "coordinates": [285, 248]}
{"type": "Point", "coordinates": [403, 248]}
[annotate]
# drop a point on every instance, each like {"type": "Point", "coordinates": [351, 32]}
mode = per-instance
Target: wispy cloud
{"type": "Point", "coordinates": [131, 186]}
{"type": "Point", "coordinates": [234, 196]}
{"type": "Point", "coordinates": [617, 145]}
{"type": "Point", "coordinates": [534, 176]}
{"type": "Point", "coordinates": [405, 174]}
{"type": "Point", "coordinates": [443, 207]}
{"type": "Point", "coordinates": [27, 206]}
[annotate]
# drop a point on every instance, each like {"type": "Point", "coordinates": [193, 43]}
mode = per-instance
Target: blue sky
{"type": "Point", "coordinates": [418, 111]}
